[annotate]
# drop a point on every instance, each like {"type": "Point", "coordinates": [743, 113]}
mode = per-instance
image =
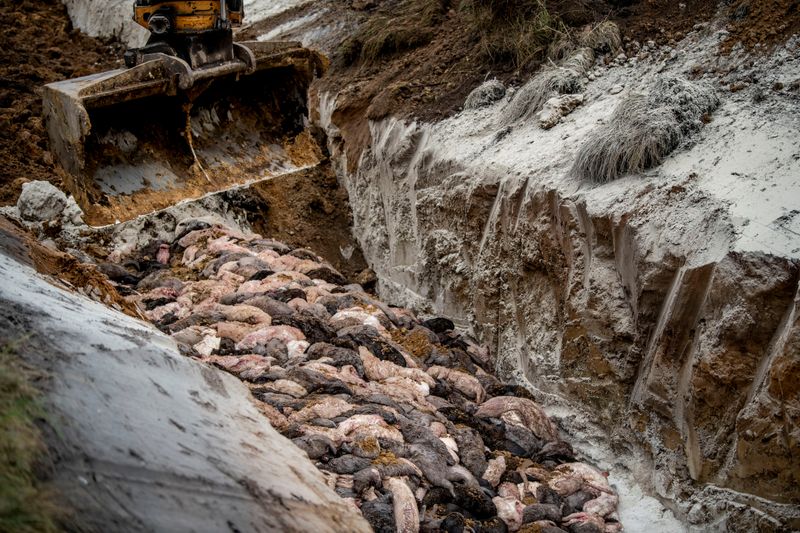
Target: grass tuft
{"type": "Point", "coordinates": [408, 24]}
{"type": "Point", "coordinates": [24, 506]}
{"type": "Point", "coordinates": [515, 32]}
{"type": "Point", "coordinates": [602, 38]}
{"type": "Point", "coordinates": [563, 78]}
{"type": "Point", "coordinates": [644, 129]}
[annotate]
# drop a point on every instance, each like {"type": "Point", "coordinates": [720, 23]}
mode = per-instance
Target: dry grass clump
{"type": "Point", "coordinates": [513, 31]}
{"type": "Point", "coordinates": [563, 78]}
{"type": "Point", "coordinates": [603, 38]}
{"type": "Point", "coordinates": [24, 507]}
{"type": "Point", "coordinates": [405, 25]}
{"type": "Point", "coordinates": [644, 129]}
{"type": "Point", "coordinates": [507, 31]}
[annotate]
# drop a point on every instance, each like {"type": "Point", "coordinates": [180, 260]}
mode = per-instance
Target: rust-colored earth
{"type": "Point", "coordinates": [69, 272]}
{"type": "Point", "coordinates": [37, 45]}
{"type": "Point", "coordinates": [762, 22]}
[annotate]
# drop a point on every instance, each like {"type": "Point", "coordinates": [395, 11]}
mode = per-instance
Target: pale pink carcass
{"type": "Point", "coordinates": [509, 490]}
{"type": "Point", "coordinates": [245, 366]}
{"type": "Point", "coordinates": [245, 313]}
{"type": "Point", "coordinates": [157, 314]}
{"type": "Point", "coordinates": [378, 369]}
{"type": "Point", "coordinates": [355, 316]}
{"type": "Point", "coordinates": [287, 386]}
{"type": "Point", "coordinates": [289, 262]}
{"type": "Point", "coordinates": [603, 505]}
{"type": "Point", "coordinates": [162, 255]}
{"type": "Point", "coordinates": [495, 470]}
{"type": "Point", "coordinates": [583, 517]}
{"type": "Point", "coordinates": [327, 408]}
{"type": "Point", "coordinates": [531, 415]}
{"type": "Point", "coordinates": [461, 381]}
{"type": "Point", "coordinates": [589, 477]}
{"type": "Point", "coordinates": [209, 344]}
{"type": "Point", "coordinates": [406, 513]}
{"type": "Point", "coordinates": [509, 510]}
{"type": "Point", "coordinates": [226, 245]}
{"type": "Point", "coordinates": [296, 349]}
{"type": "Point", "coordinates": [191, 335]}
{"type": "Point", "coordinates": [235, 331]}
{"type": "Point", "coordinates": [261, 337]}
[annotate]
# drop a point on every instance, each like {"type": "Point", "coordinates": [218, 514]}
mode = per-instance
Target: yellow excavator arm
{"type": "Point", "coordinates": [194, 16]}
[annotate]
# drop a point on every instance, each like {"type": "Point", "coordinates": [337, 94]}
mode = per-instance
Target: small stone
{"type": "Point", "coordinates": [558, 107]}
{"type": "Point", "coordinates": [485, 94]}
{"type": "Point", "coordinates": [40, 201]}
{"type": "Point", "coordinates": [616, 89]}
{"type": "Point", "coordinates": [737, 86]}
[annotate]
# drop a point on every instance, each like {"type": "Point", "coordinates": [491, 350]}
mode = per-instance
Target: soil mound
{"type": "Point", "coordinates": [38, 45]}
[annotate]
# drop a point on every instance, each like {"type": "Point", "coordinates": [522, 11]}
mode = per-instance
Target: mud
{"type": "Point", "coordinates": [761, 23]}
{"type": "Point", "coordinates": [37, 45]}
{"type": "Point", "coordinates": [286, 208]}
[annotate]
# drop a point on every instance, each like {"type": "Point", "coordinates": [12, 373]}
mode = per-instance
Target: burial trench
{"type": "Point", "coordinates": [403, 415]}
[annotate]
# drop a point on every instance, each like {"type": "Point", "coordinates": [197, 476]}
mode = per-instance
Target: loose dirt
{"type": "Point", "coordinates": [309, 209]}
{"type": "Point", "coordinates": [37, 45]}
{"type": "Point", "coordinates": [69, 271]}
{"type": "Point", "coordinates": [762, 22]}
{"type": "Point", "coordinates": [428, 78]}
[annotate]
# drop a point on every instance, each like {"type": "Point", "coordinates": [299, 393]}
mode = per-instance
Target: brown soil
{"type": "Point", "coordinates": [310, 210]}
{"type": "Point", "coordinates": [662, 21]}
{"type": "Point", "coordinates": [764, 22]}
{"type": "Point", "coordinates": [37, 46]}
{"type": "Point", "coordinates": [430, 81]}
{"type": "Point", "coordinates": [68, 271]}
{"type": "Point", "coordinates": [301, 151]}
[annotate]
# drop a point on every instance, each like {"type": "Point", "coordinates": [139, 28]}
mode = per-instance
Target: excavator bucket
{"type": "Point", "coordinates": [132, 141]}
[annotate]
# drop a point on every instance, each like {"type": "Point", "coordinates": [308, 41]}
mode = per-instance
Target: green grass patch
{"type": "Point", "coordinates": [24, 506]}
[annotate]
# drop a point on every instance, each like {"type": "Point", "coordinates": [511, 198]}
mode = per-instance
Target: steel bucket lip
{"type": "Point", "coordinates": [191, 200]}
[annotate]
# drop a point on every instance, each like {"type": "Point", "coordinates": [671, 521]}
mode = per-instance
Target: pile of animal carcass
{"type": "Point", "coordinates": [403, 417]}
